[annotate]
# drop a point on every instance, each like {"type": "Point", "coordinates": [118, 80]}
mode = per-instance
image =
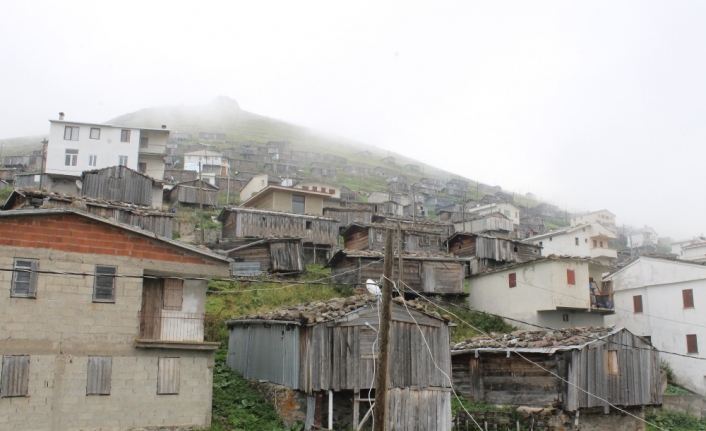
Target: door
{"type": "Point", "coordinates": [151, 313]}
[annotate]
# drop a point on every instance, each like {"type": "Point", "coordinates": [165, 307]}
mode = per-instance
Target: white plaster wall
{"type": "Point", "coordinates": [507, 209]}
{"type": "Point", "coordinates": [664, 317]}
{"type": "Point", "coordinates": [107, 149]}
{"type": "Point", "coordinates": [256, 184]}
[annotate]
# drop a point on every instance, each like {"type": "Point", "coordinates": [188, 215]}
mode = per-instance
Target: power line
{"type": "Point", "coordinates": [513, 350]}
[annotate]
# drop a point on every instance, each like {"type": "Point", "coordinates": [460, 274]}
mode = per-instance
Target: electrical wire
{"type": "Point", "coordinates": [513, 350]}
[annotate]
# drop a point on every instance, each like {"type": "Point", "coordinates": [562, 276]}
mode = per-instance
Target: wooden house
{"type": "Point", "coordinates": [332, 158]}
{"type": "Point", "coordinates": [346, 216]}
{"type": "Point", "coordinates": [119, 183]}
{"type": "Point", "coordinates": [325, 355]}
{"type": "Point", "coordinates": [416, 210]}
{"type": "Point", "coordinates": [243, 165]}
{"type": "Point", "coordinates": [319, 234]}
{"type": "Point", "coordinates": [192, 194]}
{"type": "Point", "coordinates": [364, 154]}
{"type": "Point", "coordinates": [433, 183]}
{"type": "Point", "coordinates": [442, 228]}
{"type": "Point", "coordinates": [357, 170]}
{"type": "Point", "coordinates": [325, 170]}
{"type": "Point", "coordinates": [490, 252]}
{"type": "Point", "coordinates": [282, 169]}
{"type": "Point", "coordinates": [179, 175]}
{"type": "Point", "coordinates": [388, 160]}
{"type": "Point", "coordinates": [612, 364]}
{"type": "Point", "coordinates": [287, 199]}
{"type": "Point", "coordinates": [438, 202]}
{"type": "Point", "coordinates": [361, 236]}
{"type": "Point", "coordinates": [400, 183]}
{"type": "Point", "coordinates": [255, 256]}
{"type": "Point", "coordinates": [411, 167]}
{"type": "Point", "coordinates": [489, 189]}
{"type": "Point", "coordinates": [428, 274]}
{"type": "Point", "coordinates": [384, 172]}
{"type": "Point", "coordinates": [306, 156]}
{"type": "Point", "coordinates": [457, 184]}
{"type": "Point", "coordinates": [495, 223]}
{"type": "Point", "coordinates": [349, 195]}
{"type": "Point", "coordinates": [145, 218]}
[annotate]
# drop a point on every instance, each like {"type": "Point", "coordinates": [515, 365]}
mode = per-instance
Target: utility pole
{"type": "Point", "coordinates": [383, 365]}
{"type": "Point", "coordinates": [465, 196]}
{"type": "Point", "coordinates": [203, 228]}
{"type": "Point", "coordinates": [400, 246]}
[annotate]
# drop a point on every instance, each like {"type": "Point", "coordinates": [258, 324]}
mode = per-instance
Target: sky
{"type": "Point", "coordinates": [588, 104]}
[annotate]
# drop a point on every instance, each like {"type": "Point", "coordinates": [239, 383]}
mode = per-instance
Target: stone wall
{"type": "Point", "coordinates": [695, 405]}
{"type": "Point", "coordinates": [596, 420]}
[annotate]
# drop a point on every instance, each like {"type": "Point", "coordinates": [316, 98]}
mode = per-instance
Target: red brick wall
{"type": "Point", "coordinates": [73, 233]}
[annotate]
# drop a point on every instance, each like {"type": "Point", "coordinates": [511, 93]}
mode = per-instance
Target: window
{"type": "Point", "coordinates": [613, 366]}
{"type": "Point", "coordinates": [305, 187]}
{"type": "Point", "coordinates": [637, 303]}
{"type": "Point", "coordinates": [92, 160]}
{"type": "Point", "coordinates": [95, 133]}
{"type": "Point", "coordinates": [692, 345]}
{"type": "Point", "coordinates": [540, 243]}
{"type": "Point", "coordinates": [24, 278]}
{"type": "Point", "coordinates": [565, 317]}
{"type": "Point", "coordinates": [308, 225]}
{"type": "Point", "coordinates": [143, 142]}
{"type": "Point", "coordinates": [173, 294]}
{"type": "Point", "coordinates": [100, 369]}
{"type": "Point", "coordinates": [122, 160]}
{"type": "Point", "coordinates": [298, 204]}
{"type": "Point", "coordinates": [601, 244]}
{"type": "Point", "coordinates": [142, 167]}
{"type": "Point", "coordinates": [314, 188]}
{"type": "Point", "coordinates": [576, 240]}
{"type": "Point", "coordinates": [512, 279]}
{"type": "Point", "coordinates": [168, 376]}
{"type": "Point", "coordinates": [125, 136]}
{"type": "Point", "coordinates": [550, 238]}
{"type": "Point", "coordinates": [688, 297]}
{"type": "Point", "coordinates": [15, 376]}
{"type": "Point", "coordinates": [571, 277]}
{"type": "Point", "coordinates": [71, 158]}
{"type": "Point", "coordinates": [648, 338]}
{"type": "Point", "coordinates": [70, 133]}
{"type": "Point", "coordinates": [104, 284]}
{"type": "Point", "coordinates": [331, 191]}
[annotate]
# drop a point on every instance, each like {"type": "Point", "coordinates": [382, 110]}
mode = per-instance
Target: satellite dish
{"type": "Point", "coordinates": [373, 288]}
{"type": "Point", "coordinates": [79, 184]}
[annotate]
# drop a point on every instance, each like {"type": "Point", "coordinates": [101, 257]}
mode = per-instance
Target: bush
{"type": "Point", "coordinates": [674, 421]}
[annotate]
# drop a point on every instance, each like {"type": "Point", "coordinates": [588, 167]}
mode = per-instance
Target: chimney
{"type": "Point", "coordinates": [164, 126]}
{"type": "Point", "coordinates": [61, 116]}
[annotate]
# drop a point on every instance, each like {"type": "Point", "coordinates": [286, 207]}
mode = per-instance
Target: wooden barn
{"type": "Point", "coordinates": [191, 194]}
{"type": "Point", "coordinates": [366, 236]}
{"type": "Point", "coordinates": [159, 222]}
{"type": "Point", "coordinates": [425, 273]}
{"type": "Point", "coordinates": [118, 183]}
{"type": "Point", "coordinates": [443, 228]}
{"type": "Point", "coordinates": [324, 354]}
{"type": "Point", "coordinates": [319, 234]}
{"type": "Point", "coordinates": [612, 364]}
{"type": "Point", "coordinates": [490, 252]}
{"type": "Point", "coordinates": [346, 216]}
{"type": "Point", "coordinates": [255, 256]}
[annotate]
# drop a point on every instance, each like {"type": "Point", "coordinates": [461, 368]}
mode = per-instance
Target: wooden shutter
{"type": "Point", "coordinates": [15, 376]}
{"type": "Point", "coordinates": [692, 345]}
{"type": "Point", "coordinates": [173, 294]}
{"type": "Point", "coordinates": [512, 279]}
{"type": "Point", "coordinates": [104, 284]}
{"type": "Point", "coordinates": [613, 366]}
{"type": "Point", "coordinates": [688, 296]}
{"type": "Point", "coordinates": [637, 303]}
{"type": "Point", "coordinates": [168, 376]}
{"type": "Point", "coordinates": [24, 279]}
{"type": "Point", "coordinates": [99, 373]}
{"type": "Point", "coordinates": [570, 277]}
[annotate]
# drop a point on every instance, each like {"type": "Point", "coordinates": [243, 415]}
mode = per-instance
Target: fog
{"type": "Point", "coordinates": [588, 104]}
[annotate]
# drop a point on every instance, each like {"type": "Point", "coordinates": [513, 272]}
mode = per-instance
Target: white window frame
{"type": "Point", "coordinates": [92, 159]}
{"type": "Point", "coordinates": [125, 135]}
{"type": "Point", "coordinates": [70, 157]}
{"type": "Point", "coordinates": [122, 160]}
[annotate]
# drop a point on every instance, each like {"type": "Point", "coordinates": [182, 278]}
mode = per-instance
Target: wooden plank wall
{"type": "Point", "coordinates": [411, 409]}
{"type": "Point", "coordinates": [192, 195]}
{"type": "Point", "coordinates": [287, 256]}
{"type": "Point", "coordinates": [346, 217]}
{"type": "Point", "coordinates": [257, 253]}
{"type": "Point", "coordinates": [463, 246]}
{"type": "Point", "coordinates": [263, 224]}
{"type": "Point", "coordinates": [357, 238]}
{"type": "Point", "coordinates": [118, 183]}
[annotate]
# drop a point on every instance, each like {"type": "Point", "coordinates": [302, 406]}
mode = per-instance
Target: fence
{"type": "Point", "coordinates": [487, 420]}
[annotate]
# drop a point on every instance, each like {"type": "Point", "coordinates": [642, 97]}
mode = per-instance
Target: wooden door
{"type": "Point", "coordinates": [151, 312]}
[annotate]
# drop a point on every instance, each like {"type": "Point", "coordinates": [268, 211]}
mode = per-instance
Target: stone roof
{"type": "Point", "coordinates": [42, 194]}
{"type": "Point", "coordinates": [538, 339]}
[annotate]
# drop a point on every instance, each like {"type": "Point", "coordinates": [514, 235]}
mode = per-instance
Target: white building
{"type": "Point", "coordinates": [75, 147]}
{"type": "Point", "coordinates": [677, 246]}
{"type": "Point", "coordinates": [254, 186]}
{"type": "Point", "coordinates": [586, 240]}
{"type": "Point", "coordinates": [318, 186]}
{"type": "Point", "coordinates": [554, 292]}
{"type": "Point", "coordinates": [507, 209]}
{"type": "Point", "coordinates": [604, 217]}
{"type": "Point", "coordinates": [665, 300]}
{"type": "Point", "coordinates": [194, 159]}
{"type": "Point", "coordinates": [642, 237]}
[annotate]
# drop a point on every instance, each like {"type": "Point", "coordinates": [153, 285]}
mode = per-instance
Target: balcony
{"type": "Point", "coordinates": [602, 299]}
{"type": "Point", "coordinates": [603, 253]}
{"type": "Point", "coordinates": [173, 329]}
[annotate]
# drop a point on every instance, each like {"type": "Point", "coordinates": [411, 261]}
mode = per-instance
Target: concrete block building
{"type": "Point", "coordinates": [101, 325]}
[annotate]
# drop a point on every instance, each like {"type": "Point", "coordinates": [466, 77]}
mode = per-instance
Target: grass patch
{"type": "Point", "coordinates": [674, 421]}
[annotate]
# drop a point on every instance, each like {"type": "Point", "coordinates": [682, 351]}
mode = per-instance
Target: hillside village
{"type": "Point", "coordinates": [122, 241]}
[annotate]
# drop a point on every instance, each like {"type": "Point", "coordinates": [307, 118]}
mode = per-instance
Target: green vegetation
{"type": "Point", "coordinates": [676, 390]}
{"type": "Point", "coordinates": [484, 322]}
{"type": "Point", "coordinates": [475, 407]}
{"type": "Point", "coordinates": [5, 193]}
{"type": "Point", "coordinates": [674, 421]}
{"type": "Point", "coordinates": [555, 223]}
{"type": "Point", "coordinates": [667, 369]}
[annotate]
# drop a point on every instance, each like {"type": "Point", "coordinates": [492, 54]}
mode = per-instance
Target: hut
{"type": "Point", "coordinates": [319, 357]}
{"type": "Point", "coordinates": [556, 368]}
{"type": "Point", "coordinates": [368, 236]}
{"type": "Point", "coordinates": [346, 216]}
{"type": "Point", "coordinates": [490, 252]}
{"type": "Point", "coordinates": [255, 256]}
{"type": "Point", "coordinates": [119, 183]}
{"type": "Point", "coordinates": [145, 218]}
{"type": "Point", "coordinates": [192, 193]}
{"type": "Point", "coordinates": [428, 274]}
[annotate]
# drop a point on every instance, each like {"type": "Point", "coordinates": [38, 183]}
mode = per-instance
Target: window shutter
{"type": "Point", "coordinates": [613, 366]}
{"type": "Point", "coordinates": [173, 294]}
{"type": "Point", "coordinates": [168, 376]}
{"type": "Point", "coordinates": [104, 284]}
{"type": "Point", "coordinates": [99, 373]}
{"type": "Point", "coordinates": [692, 345]}
{"type": "Point", "coordinates": [15, 376]}
{"type": "Point", "coordinates": [33, 279]}
{"type": "Point", "coordinates": [688, 296]}
{"type": "Point", "coordinates": [570, 277]}
{"type": "Point", "coordinates": [512, 279]}
{"type": "Point", "coordinates": [637, 303]}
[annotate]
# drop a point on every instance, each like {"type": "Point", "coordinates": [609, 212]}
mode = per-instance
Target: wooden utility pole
{"type": "Point", "coordinates": [203, 228]}
{"type": "Point", "coordinates": [400, 247]}
{"type": "Point", "coordinates": [384, 332]}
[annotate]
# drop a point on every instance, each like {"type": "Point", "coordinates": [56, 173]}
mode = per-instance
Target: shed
{"type": "Point", "coordinates": [346, 216]}
{"type": "Point", "coordinates": [388, 160]}
{"type": "Point", "coordinates": [357, 170]}
{"type": "Point", "coordinates": [491, 251]}
{"type": "Point", "coordinates": [612, 364]}
{"type": "Point", "coordinates": [192, 193]}
{"type": "Point", "coordinates": [255, 256]}
{"type": "Point", "coordinates": [384, 172]}
{"type": "Point", "coordinates": [324, 354]}
{"type": "Point", "coordinates": [118, 183]}
{"type": "Point", "coordinates": [367, 236]}
{"type": "Point", "coordinates": [429, 274]}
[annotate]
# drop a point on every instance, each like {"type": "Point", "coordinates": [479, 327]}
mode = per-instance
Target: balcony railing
{"type": "Point", "coordinates": [604, 302]}
{"type": "Point", "coordinates": [168, 325]}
